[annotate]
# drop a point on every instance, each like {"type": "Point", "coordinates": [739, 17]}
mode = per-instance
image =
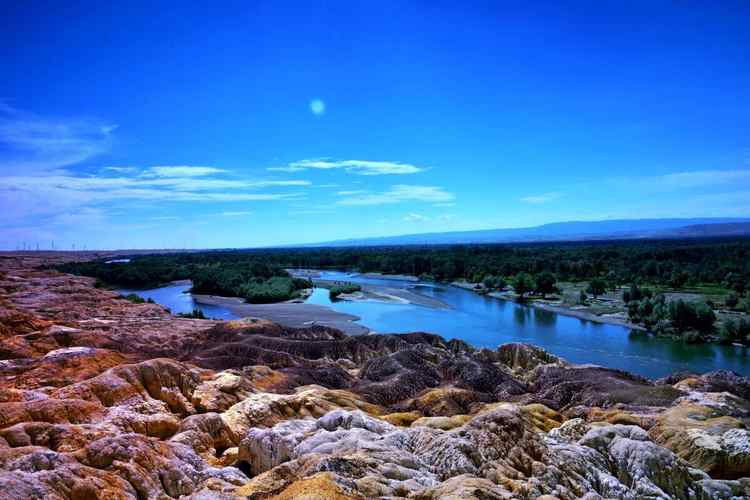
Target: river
{"type": "Point", "coordinates": [487, 322]}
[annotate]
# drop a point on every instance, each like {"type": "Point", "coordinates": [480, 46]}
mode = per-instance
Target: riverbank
{"type": "Point", "coordinates": [394, 277]}
{"type": "Point", "coordinates": [294, 314]}
{"type": "Point", "coordinates": [584, 315]}
{"type": "Point", "coordinates": [618, 320]}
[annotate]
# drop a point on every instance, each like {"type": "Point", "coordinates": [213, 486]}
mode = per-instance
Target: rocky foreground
{"type": "Point", "coordinates": [101, 398]}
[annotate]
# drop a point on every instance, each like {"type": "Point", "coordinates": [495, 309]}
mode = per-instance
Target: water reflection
{"type": "Point", "coordinates": [544, 318]}
{"type": "Point", "coordinates": [521, 315]}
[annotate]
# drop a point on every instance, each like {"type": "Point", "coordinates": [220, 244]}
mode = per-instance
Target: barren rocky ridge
{"type": "Point", "coordinates": [102, 398]}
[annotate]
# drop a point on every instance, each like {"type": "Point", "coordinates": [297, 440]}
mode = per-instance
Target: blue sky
{"type": "Point", "coordinates": [255, 123]}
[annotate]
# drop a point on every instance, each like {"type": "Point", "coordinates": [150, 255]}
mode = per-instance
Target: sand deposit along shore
{"type": "Point", "coordinates": [293, 314]}
{"type": "Point", "coordinates": [382, 293]}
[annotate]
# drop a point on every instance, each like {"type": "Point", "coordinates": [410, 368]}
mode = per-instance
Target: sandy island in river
{"type": "Point", "coordinates": [297, 313]}
{"type": "Point", "coordinates": [382, 293]}
{"type": "Point", "coordinates": [294, 314]}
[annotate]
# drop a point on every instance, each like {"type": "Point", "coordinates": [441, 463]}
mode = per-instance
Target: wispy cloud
{"type": "Point", "coordinates": [400, 193]}
{"type": "Point", "coordinates": [181, 171]}
{"type": "Point", "coordinates": [351, 192]}
{"type": "Point", "coordinates": [701, 178]}
{"type": "Point", "coordinates": [31, 143]}
{"type": "Point", "coordinates": [23, 196]}
{"type": "Point", "coordinates": [412, 217]}
{"type": "Point", "coordinates": [120, 170]}
{"type": "Point", "coordinates": [135, 185]}
{"type": "Point", "coordinates": [541, 198]}
{"type": "Point", "coordinates": [360, 167]}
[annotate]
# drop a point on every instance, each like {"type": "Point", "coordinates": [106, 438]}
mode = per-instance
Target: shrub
{"type": "Point", "coordinates": [337, 290]}
{"type": "Point", "coordinates": [692, 337]}
{"type": "Point", "coordinates": [735, 331]}
{"type": "Point", "coordinates": [688, 315]}
{"type": "Point", "coordinates": [195, 314]}
{"type": "Point", "coordinates": [545, 283]}
{"type": "Point", "coordinates": [522, 284]}
{"type": "Point", "coordinates": [731, 301]}
{"type": "Point", "coordinates": [596, 287]}
{"type": "Point", "coordinates": [135, 299]}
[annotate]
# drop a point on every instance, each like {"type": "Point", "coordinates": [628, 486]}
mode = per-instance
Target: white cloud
{"type": "Point", "coordinates": [92, 183]}
{"type": "Point", "coordinates": [351, 192]}
{"type": "Point", "coordinates": [30, 143]}
{"type": "Point", "coordinates": [541, 198]}
{"type": "Point", "coordinates": [181, 171]}
{"type": "Point", "coordinates": [360, 167]}
{"type": "Point", "coordinates": [412, 217]}
{"type": "Point", "coordinates": [203, 184]}
{"type": "Point", "coordinates": [120, 170]}
{"type": "Point", "coordinates": [701, 178]}
{"type": "Point", "coordinates": [400, 193]}
{"type": "Point", "coordinates": [25, 196]}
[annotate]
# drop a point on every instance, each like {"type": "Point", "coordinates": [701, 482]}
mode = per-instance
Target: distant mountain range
{"type": "Point", "coordinates": [570, 231]}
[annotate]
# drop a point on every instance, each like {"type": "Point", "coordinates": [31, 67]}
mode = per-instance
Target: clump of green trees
{"type": "Point", "coordinates": [597, 287]}
{"type": "Point", "coordinates": [258, 284]}
{"type": "Point", "coordinates": [250, 275]}
{"type": "Point", "coordinates": [735, 331]}
{"type": "Point", "coordinates": [522, 285]}
{"type": "Point", "coordinates": [635, 293]}
{"type": "Point", "coordinates": [274, 289]}
{"type": "Point", "coordinates": [492, 282]}
{"type": "Point", "coordinates": [692, 321]}
{"type": "Point", "coordinates": [338, 289]}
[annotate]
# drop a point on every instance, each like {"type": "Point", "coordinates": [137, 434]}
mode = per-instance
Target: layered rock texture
{"type": "Point", "coordinates": [102, 398]}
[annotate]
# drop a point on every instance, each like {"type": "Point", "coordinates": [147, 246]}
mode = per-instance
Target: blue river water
{"type": "Point", "coordinates": [177, 298]}
{"type": "Point", "coordinates": [488, 322]}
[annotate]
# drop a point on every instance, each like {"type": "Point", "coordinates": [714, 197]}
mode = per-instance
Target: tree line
{"type": "Point", "coordinates": [260, 276]}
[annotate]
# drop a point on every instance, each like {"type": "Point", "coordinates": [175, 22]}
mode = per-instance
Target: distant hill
{"type": "Point", "coordinates": [569, 231]}
{"type": "Point", "coordinates": [703, 230]}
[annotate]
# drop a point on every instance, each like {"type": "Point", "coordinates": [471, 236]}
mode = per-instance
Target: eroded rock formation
{"type": "Point", "coordinates": [102, 398]}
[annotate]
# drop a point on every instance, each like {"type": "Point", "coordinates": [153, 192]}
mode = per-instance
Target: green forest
{"type": "Point", "coordinates": [229, 274]}
{"type": "Point", "coordinates": [721, 267]}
